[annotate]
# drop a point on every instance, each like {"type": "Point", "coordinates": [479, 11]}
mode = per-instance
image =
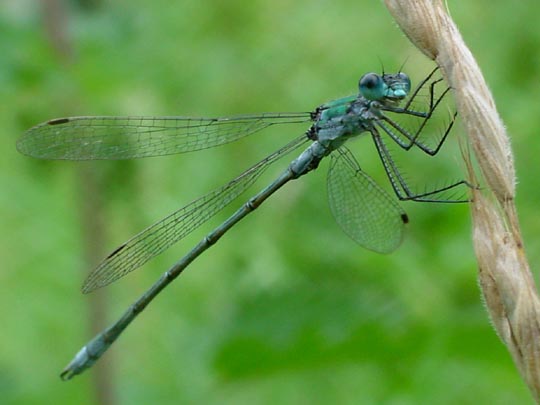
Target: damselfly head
{"type": "Point", "coordinates": [393, 87]}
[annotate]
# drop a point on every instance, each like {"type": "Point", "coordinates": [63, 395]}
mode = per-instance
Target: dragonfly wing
{"type": "Point", "coordinates": [160, 236]}
{"type": "Point", "coordinates": [90, 138]}
{"type": "Point", "coordinates": [364, 211]}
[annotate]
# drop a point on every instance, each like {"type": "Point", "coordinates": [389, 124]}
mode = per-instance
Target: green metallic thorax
{"type": "Point", "coordinates": [339, 120]}
{"type": "Point", "coordinates": [336, 108]}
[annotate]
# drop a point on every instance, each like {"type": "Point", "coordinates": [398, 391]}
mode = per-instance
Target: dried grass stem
{"type": "Point", "coordinates": [505, 279]}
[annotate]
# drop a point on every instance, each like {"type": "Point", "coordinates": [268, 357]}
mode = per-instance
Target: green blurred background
{"type": "Point", "coordinates": [286, 308]}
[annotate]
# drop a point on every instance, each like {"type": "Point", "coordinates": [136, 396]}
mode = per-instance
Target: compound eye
{"type": "Point", "coordinates": [371, 86]}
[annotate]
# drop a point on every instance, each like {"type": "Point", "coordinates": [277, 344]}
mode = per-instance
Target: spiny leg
{"type": "Point", "coordinates": [420, 86]}
{"type": "Point", "coordinates": [400, 186]}
{"type": "Point", "coordinates": [413, 138]}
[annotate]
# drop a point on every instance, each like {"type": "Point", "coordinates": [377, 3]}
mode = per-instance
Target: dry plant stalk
{"type": "Point", "coordinates": [505, 278]}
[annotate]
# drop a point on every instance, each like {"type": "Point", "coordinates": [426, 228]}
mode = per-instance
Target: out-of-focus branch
{"type": "Point", "coordinates": [507, 284]}
{"type": "Point", "coordinates": [55, 19]}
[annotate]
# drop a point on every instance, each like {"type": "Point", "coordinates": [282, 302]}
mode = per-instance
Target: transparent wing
{"type": "Point", "coordinates": [364, 211]}
{"type": "Point", "coordinates": [160, 236]}
{"type": "Point", "coordinates": [90, 138]}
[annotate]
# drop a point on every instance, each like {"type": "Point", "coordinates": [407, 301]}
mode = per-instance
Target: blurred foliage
{"type": "Point", "coordinates": [285, 309]}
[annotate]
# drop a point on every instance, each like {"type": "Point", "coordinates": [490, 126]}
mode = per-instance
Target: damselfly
{"type": "Point", "coordinates": [368, 214]}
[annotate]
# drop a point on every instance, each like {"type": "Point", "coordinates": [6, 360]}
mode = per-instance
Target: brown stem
{"type": "Point", "coordinates": [55, 20]}
{"type": "Point", "coordinates": [505, 278]}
